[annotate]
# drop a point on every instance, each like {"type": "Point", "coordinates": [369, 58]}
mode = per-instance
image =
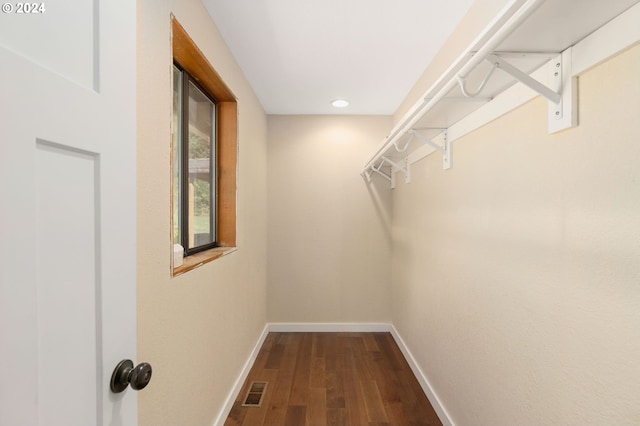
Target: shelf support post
{"type": "Point", "coordinates": [564, 114]}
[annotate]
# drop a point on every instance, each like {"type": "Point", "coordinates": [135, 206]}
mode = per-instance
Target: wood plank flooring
{"type": "Point", "coordinates": [316, 379]}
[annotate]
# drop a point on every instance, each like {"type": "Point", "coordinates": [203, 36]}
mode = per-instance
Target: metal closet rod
{"type": "Point", "coordinates": [479, 54]}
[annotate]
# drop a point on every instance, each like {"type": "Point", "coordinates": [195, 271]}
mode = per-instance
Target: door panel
{"type": "Point", "coordinates": [68, 291]}
{"type": "Point", "coordinates": [77, 38]}
{"type": "Point", "coordinates": [67, 213]}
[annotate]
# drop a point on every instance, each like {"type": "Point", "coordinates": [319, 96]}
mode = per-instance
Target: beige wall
{"type": "Point", "coordinates": [516, 273]}
{"type": "Point", "coordinates": [198, 329]}
{"type": "Point", "coordinates": [329, 241]}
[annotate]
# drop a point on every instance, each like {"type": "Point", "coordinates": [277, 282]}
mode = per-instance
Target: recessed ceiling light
{"type": "Point", "coordinates": [340, 103]}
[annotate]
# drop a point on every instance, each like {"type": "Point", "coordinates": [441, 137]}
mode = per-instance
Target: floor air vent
{"type": "Point", "coordinates": [255, 394]}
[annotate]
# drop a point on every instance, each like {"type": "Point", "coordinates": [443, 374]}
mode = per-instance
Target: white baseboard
{"type": "Point", "coordinates": [329, 327]}
{"type": "Point", "coordinates": [237, 386]}
{"type": "Point", "coordinates": [333, 327]}
{"type": "Point", "coordinates": [422, 379]}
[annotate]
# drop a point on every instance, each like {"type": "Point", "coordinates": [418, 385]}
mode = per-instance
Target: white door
{"type": "Point", "coordinates": [67, 211]}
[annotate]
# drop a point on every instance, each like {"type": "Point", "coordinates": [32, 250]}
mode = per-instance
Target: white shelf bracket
{"type": "Point", "coordinates": [445, 149]}
{"type": "Point", "coordinates": [526, 79]}
{"type": "Point", "coordinates": [395, 167]}
{"type": "Point", "coordinates": [407, 173]}
{"type": "Point", "coordinates": [446, 160]}
{"type": "Point", "coordinates": [378, 170]}
{"type": "Point", "coordinates": [564, 114]}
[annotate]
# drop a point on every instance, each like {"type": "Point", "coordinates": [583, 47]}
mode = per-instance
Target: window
{"type": "Point", "coordinates": [195, 165]}
{"type": "Point", "coordinates": [204, 155]}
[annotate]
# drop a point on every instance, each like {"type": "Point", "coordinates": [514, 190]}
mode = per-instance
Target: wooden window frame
{"type": "Point", "coordinates": [193, 61]}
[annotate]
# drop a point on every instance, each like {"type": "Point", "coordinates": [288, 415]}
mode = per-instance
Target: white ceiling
{"type": "Point", "coordinates": [298, 55]}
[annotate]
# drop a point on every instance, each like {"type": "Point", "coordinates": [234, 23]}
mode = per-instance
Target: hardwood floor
{"type": "Point", "coordinates": [315, 379]}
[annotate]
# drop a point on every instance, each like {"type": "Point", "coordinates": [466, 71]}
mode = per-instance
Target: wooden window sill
{"type": "Point", "coordinates": [196, 260]}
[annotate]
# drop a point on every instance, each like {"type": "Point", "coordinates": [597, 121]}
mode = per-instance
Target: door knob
{"type": "Point", "coordinates": [126, 374]}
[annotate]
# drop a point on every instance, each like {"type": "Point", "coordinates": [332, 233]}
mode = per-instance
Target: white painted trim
{"type": "Point", "coordinates": [329, 327]}
{"type": "Point", "coordinates": [442, 413]}
{"type": "Point", "coordinates": [237, 386]}
{"type": "Point", "coordinates": [333, 327]}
